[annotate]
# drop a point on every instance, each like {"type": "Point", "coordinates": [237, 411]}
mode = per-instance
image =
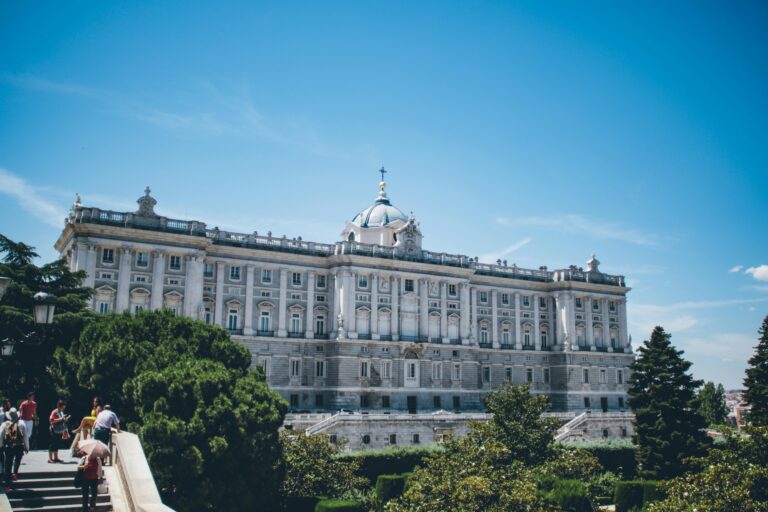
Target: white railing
{"type": "Point", "coordinates": [360, 418]}
{"type": "Point", "coordinates": [140, 493]}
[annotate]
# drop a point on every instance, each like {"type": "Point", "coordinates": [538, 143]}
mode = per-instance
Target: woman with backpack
{"type": "Point", "coordinates": [59, 430]}
{"type": "Point", "coordinates": [15, 443]}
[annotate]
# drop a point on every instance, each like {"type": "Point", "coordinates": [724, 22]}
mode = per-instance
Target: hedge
{"type": "Point", "coordinates": [567, 495]}
{"type": "Point", "coordinates": [635, 494]}
{"type": "Point", "coordinates": [340, 506]}
{"type": "Point", "coordinates": [617, 456]}
{"type": "Point", "coordinates": [300, 504]}
{"type": "Point", "coordinates": [390, 487]}
{"type": "Point", "coordinates": [390, 461]}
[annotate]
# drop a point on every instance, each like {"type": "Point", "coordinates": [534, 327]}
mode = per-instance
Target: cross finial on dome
{"type": "Point", "coordinates": [383, 184]}
{"type": "Point", "coordinates": [147, 190]}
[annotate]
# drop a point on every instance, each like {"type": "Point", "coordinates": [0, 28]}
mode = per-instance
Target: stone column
{"type": "Point", "coordinates": [80, 257]}
{"type": "Point", "coordinates": [473, 338]}
{"type": "Point", "coordinates": [571, 316]}
{"type": "Point", "coordinates": [622, 307]}
{"type": "Point", "coordinates": [282, 332]}
{"type": "Point", "coordinates": [423, 308]}
{"type": "Point", "coordinates": [518, 326]}
{"type": "Point", "coordinates": [90, 267]}
{"type": "Point", "coordinates": [124, 280]}
{"type": "Point", "coordinates": [588, 319]}
{"type": "Point", "coordinates": [395, 321]}
{"type": "Point", "coordinates": [464, 320]}
{"type": "Point", "coordinates": [249, 278]}
{"type": "Point", "coordinates": [218, 314]}
{"type": "Point", "coordinates": [375, 307]}
{"type": "Point", "coordinates": [444, 312]}
{"type": "Point", "coordinates": [336, 308]}
{"type": "Point", "coordinates": [309, 332]}
{"type": "Point", "coordinates": [158, 272]}
{"type": "Point", "coordinates": [193, 287]}
{"type": "Point", "coordinates": [560, 317]}
{"type": "Point", "coordinates": [495, 319]}
{"type": "Point", "coordinates": [536, 333]}
{"type": "Point", "coordinates": [606, 323]}
{"type": "Point", "coordinates": [350, 298]}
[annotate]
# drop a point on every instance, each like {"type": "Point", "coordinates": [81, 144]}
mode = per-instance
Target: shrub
{"type": "Point", "coordinates": [601, 487]}
{"type": "Point", "coordinates": [339, 506]}
{"type": "Point", "coordinates": [389, 461]}
{"type": "Point", "coordinates": [300, 503]}
{"type": "Point", "coordinates": [389, 487]}
{"type": "Point", "coordinates": [635, 494]}
{"type": "Point", "coordinates": [568, 495]}
{"type": "Point", "coordinates": [617, 456]}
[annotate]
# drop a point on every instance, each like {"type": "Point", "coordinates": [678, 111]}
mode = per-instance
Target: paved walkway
{"type": "Point", "coordinates": [36, 461]}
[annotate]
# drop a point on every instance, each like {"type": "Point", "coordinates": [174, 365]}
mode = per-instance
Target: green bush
{"type": "Point", "coordinates": [568, 495]}
{"type": "Point", "coordinates": [601, 487]}
{"type": "Point", "coordinates": [389, 461]}
{"type": "Point", "coordinates": [339, 506]}
{"type": "Point", "coordinates": [635, 494]}
{"type": "Point", "coordinates": [389, 487]}
{"type": "Point", "coordinates": [300, 503]}
{"type": "Point", "coordinates": [615, 455]}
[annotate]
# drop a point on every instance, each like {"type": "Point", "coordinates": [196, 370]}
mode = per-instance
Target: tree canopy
{"type": "Point", "coordinates": [756, 380]}
{"type": "Point", "coordinates": [668, 428]}
{"type": "Point", "coordinates": [711, 403]}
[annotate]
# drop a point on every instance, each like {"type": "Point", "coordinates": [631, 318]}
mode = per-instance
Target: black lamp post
{"type": "Point", "coordinates": [43, 310]}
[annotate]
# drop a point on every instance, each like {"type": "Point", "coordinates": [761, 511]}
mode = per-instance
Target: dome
{"type": "Point", "coordinates": [379, 214]}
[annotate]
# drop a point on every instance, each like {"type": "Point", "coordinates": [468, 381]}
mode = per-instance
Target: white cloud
{"type": "Point", "coordinates": [572, 222]}
{"type": "Point", "coordinates": [491, 257]}
{"type": "Point", "coordinates": [736, 268]}
{"type": "Point", "coordinates": [31, 200]}
{"type": "Point", "coordinates": [727, 347]}
{"type": "Point", "coordinates": [760, 272]}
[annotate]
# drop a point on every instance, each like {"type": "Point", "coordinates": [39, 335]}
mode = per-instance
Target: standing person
{"type": "Point", "coordinates": [59, 430]}
{"type": "Point", "coordinates": [28, 411]}
{"type": "Point", "coordinates": [15, 443]}
{"type": "Point", "coordinates": [91, 477]}
{"type": "Point", "coordinates": [104, 423]}
{"type": "Point", "coordinates": [5, 409]}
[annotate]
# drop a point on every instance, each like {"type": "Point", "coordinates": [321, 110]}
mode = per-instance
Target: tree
{"type": "Point", "coordinates": [209, 426]}
{"type": "Point", "coordinates": [313, 468]}
{"type": "Point", "coordinates": [668, 429]}
{"type": "Point", "coordinates": [711, 403]}
{"type": "Point", "coordinates": [756, 381]}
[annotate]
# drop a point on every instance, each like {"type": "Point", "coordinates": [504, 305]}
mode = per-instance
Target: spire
{"type": "Point", "coordinates": [381, 197]}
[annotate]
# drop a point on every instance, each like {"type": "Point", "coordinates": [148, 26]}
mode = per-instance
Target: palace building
{"type": "Point", "coordinates": [372, 322]}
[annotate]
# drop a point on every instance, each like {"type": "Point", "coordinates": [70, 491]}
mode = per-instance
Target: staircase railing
{"type": "Point", "coordinates": [139, 489]}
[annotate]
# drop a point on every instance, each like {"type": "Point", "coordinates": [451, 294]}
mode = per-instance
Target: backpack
{"type": "Point", "coordinates": [13, 437]}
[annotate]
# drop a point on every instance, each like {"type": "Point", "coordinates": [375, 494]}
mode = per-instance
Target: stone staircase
{"type": "Point", "coordinates": [50, 491]}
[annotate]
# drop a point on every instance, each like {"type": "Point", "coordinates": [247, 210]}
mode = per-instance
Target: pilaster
{"type": "Point", "coordinates": [395, 324]}
{"type": "Point", "coordinates": [588, 320]}
{"type": "Point", "coordinates": [473, 320]}
{"type": "Point", "coordinates": [218, 314]}
{"type": "Point", "coordinates": [249, 279]}
{"type": "Point", "coordinates": [375, 307]}
{"type": "Point", "coordinates": [124, 280]}
{"type": "Point", "coordinates": [309, 333]}
{"type": "Point", "coordinates": [444, 312]}
{"type": "Point", "coordinates": [423, 308]}
{"type": "Point", "coordinates": [464, 320]}
{"type": "Point", "coordinates": [158, 273]}
{"type": "Point", "coordinates": [518, 327]}
{"type": "Point", "coordinates": [536, 328]}
{"type": "Point", "coordinates": [495, 318]}
{"type": "Point", "coordinates": [282, 332]}
{"type": "Point", "coordinates": [193, 287]}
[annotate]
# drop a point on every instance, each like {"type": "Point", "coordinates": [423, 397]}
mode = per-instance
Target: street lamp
{"type": "Point", "coordinates": [4, 282]}
{"type": "Point", "coordinates": [45, 304]}
{"type": "Point", "coordinates": [6, 349]}
{"type": "Point", "coordinates": [43, 310]}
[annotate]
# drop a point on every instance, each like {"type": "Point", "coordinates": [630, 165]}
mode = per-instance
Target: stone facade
{"type": "Point", "coordinates": [372, 322]}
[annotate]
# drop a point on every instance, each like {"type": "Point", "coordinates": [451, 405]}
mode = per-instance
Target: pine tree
{"type": "Point", "coordinates": [711, 400]}
{"type": "Point", "coordinates": [757, 380]}
{"type": "Point", "coordinates": [668, 429]}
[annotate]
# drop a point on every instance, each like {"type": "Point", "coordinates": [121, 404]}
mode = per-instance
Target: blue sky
{"type": "Point", "coordinates": [535, 132]}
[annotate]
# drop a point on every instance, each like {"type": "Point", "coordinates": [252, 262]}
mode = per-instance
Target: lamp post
{"type": "Point", "coordinates": [43, 310]}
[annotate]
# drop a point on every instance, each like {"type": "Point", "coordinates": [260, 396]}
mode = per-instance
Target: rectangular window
{"type": "Point", "coordinates": [526, 300]}
{"type": "Point", "coordinates": [595, 305]}
{"type": "Point", "coordinates": [546, 375]}
{"type": "Point", "coordinates": [319, 348]}
{"type": "Point", "coordinates": [452, 290]}
{"type": "Point", "coordinates": [385, 402]}
{"type": "Point", "coordinates": [234, 273]}
{"type": "Point", "coordinates": [264, 321]}
{"type": "Point", "coordinates": [318, 400]}
{"type": "Point", "coordinates": [208, 270]}
{"type": "Point", "coordinates": [603, 379]}
{"type": "Point", "coordinates": [296, 278]}
{"type": "Point", "coordinates": [392, 438]}
{"type": "Point", "coordinates": [319, 298]}
{"type": "Point", "coordinates": [579, 304]}
{"type": "Point", "coordinates": [175, 262]}
{"type": "Point", "coordinates": [529, 375]}
{"type": "Point", "coordinates": [320, 281]}
{"type": "Point", "coordinates": [410, 371]}
{"type": "Point", "coordinates": [319, 368]}
{"type": "Point", "coordinates": [416, 439]}
{"type": "Point", "coordinates": [508, 373]}
{"type": "Point", "coordinates": [295, 323]}
{"type": "Point", "coordinates": [437, 370]}
{"type": "Point", "coordinates": [108, 255]}
{"type": "Point", "coordinates": [294, 400]}
{"type": "Point", "coordinates": [543, 302]}
{"type": "Point", "coordinates": [140, 279]}
{"type": "Point", "coordinates": [103, 307]}
{"type": "Point", "coordinates": [365, 401]}
{"type": "Point", "coordinates": [295, 367]}
{"type": "Point", "coordinates": [587, 402]}
{"type": "Point", "coordinates": [486, 374]}
{"type": "Point", "coordinates": [386, 370]}
{"type": "Point", "coordinates": [264, 364]}
{"type": "Point", "coordinates": [409, 285]}
{"type": "Point", "coordinates": [483, 297]}
{"type": "Point", "coordinates": [266, 276]}
{"type": "Point", "coordinates": [505, 298]}
{"type": "Point", "coordinates": [142, 259]}
{"type": "Point", "coordinates": [106, 275]}
{"type": "Point", "coordinates": [612, 306]}
{"type": "Point", "coordinates": [456, 372]}
{"type": "Point", "coordinates": [266, 293]}
{"type": "Point", "coordinates": [457, 403]}
{"type": "Point", "coordinates": [364, 369]}
{"type": "Point", "coordinates": [233, 320]}
{"type": "Point", "coordinates": [621, 402]}
{"type": "Point", "coordinates": [295, 296]}
{"type": "Point", "coordinates": [585, 376]}
{"type": "Point", "coordinates": [620, 376]}
{"type": "Point", "coordinates": [436, 402]}
{"type": "Point", "coordinates": [320, 324]}
{"type": "Point", "coordinates": [362, 281]}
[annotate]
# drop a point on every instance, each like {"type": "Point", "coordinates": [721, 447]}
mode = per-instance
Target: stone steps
{"type": "Point", "coordinates": [50, 491]}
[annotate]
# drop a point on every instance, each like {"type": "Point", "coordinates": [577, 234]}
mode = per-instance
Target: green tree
{"type": "Point", "coordinates": [313, 468]}
{"type": "Point", "coordinates": [668, 428]}
{"type": "Point", "coordinates": [209, 426]}
{"type": "Point", "coordinates": [711, 403]}
{"type": "Point", "coordinates": [28, 369]}
{"type": "Point", "coordinates": [756, 381]}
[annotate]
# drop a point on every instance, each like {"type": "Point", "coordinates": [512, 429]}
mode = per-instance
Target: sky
{"type": "Point", "coordinates": [536, 132]}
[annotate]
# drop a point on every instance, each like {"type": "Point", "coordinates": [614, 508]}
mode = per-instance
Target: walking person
{"type": "Point", "coordinates": [91, 476]}
{"type": "Point", "coordinates": [28, 412]}
{"type": "Point", "coordinates": [105, 421]}
{"type": "Point", "coordinates": [59, 430]}
{"type": "Point", "coordinates": [15, 443]}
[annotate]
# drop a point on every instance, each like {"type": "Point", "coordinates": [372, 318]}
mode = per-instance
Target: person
{"type": "Point", "coordinates": [28, 412]}
{"type": "Point", "coordinates": [105, 421]}
{"type": "Point", "coordinates": [3, 411]}
{"type": "Point", "coordinates": [86, 425]}
{"type": "Point", "coordinates": [15, 443]}
{"type": "Point", "coordinates": [91, 477]}
{"type": "Point", "coordinates": [59, 430]}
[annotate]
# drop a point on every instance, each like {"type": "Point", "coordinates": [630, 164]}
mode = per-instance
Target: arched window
{"type": "Point", "coordinates": [351, 236]}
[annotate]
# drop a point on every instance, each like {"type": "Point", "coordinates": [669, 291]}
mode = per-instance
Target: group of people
{"type": "Point", "coordinates": [17, 430]}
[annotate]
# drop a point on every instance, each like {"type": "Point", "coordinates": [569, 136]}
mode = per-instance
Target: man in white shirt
{"type": "Point", "coordinates": [105, 421]}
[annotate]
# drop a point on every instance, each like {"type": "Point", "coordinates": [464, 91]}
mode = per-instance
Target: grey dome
{"type": "Point", "coordinates": [379, 214]}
